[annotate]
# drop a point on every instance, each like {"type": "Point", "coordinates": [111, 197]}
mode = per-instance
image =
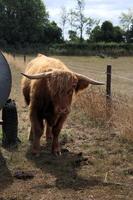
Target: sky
{"type": "Point", "coordinates": [97, 9]}
{"type": "Point", "coordinates": [101, 9]}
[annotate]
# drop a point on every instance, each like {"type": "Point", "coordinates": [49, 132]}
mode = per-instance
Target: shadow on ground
{"type": "Point", "coordinates": [5, 175]}
{"type": "Point", "coordinates": [64, 168]}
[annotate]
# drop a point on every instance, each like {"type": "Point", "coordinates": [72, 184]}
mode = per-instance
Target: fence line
{"type": "Point", "coordinates": [122, 77]}
{"type": "Point", "coordinates": [99, 72]}
{"type": "Point", "coordinates": [90, 71]}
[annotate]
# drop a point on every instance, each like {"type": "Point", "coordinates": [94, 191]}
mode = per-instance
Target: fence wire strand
{"type": "Point", "coordinates": [102, 73]}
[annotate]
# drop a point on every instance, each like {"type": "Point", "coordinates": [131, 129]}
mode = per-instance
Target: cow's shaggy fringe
{"type": "Point", "coordinates": [59, 82]}
{"type": "Point", "coordinates": [118, 119]}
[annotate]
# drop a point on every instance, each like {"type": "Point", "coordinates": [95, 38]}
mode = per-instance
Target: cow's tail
{"type": "Point", "coordinates": [26, 90]}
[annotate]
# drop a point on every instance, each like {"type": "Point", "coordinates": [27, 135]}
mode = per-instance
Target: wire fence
{"type": "Point", "coordinates": [105, 74]}
{"type": "Point", "coordinates": [90, 71]}
{"type": "Point", "coordinates": [113, 76]}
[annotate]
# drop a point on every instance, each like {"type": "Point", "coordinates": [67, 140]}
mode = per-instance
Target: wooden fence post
{"type": "Point", "coordinates": [24, 58]}
{"type": "Point", "coordinates": [108, 93]}
{"type": "Point", "coordinates": [108, 82]}
{"type": "Point", "coordinates": [14, 56]}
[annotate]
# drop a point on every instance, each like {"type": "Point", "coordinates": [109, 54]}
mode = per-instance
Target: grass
{"type": "Point", "coordinates": [99, 148]}
{"type": "Point", "coordinates": [0, 134]}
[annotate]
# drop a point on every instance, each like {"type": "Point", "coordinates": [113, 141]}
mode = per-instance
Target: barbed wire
{"type": "Point", "coordinates": [98, 72]}
{"type": "Point", "coordinates": [102, 73]}
{"type": "Point", "coordinates": [122, 77]}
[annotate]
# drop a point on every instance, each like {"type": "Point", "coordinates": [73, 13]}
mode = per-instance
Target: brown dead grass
{"type": "Point", "coordinates": [117, 114]}
{"type": "Point", "coordinates": [98, 164]}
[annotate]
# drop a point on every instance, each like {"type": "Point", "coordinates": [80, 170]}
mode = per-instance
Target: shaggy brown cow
{"type": "Point", "coordinates": [48, 87]}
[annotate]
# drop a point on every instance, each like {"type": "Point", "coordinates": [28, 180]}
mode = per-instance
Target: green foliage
{"type": "Point", "coordinates": [52, 33]}
{"type": "Point", "coordinates": [25, 22]}
{"type": "Point", "coordinates": [22, 21]}
{"type": "Point", "coordinates": [109, 49]}
{"type": "Point", "coordinates": [73, 36]}
{"type": "Point", "coordinates": [129, 35]}
{"type": "Point", "coordinates": [107, 33]}
{"type": "Point", "coordinates": [0, 134]}
{"type": "Point", "coordinates": [96, 34]}
{"type": "Point", "coordinates": [118, 34]}
{"type": "Point", "coordinates": [126, 19]}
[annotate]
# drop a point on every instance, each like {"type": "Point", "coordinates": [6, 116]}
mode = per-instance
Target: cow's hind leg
{"type": "Point", "coordinates": [37, 129]}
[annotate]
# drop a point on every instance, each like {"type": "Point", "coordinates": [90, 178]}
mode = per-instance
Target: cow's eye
{"type": "Point", "coordinates": [70, 92]}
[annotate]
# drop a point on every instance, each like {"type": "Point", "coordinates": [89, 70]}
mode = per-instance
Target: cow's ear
{"type": "Point", "coordinates": [81, 84]}
{"type": "Point", "coordinates": [84, 81]}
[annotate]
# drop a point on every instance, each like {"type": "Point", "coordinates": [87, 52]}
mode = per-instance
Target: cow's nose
{"type": "Point", "coordinates": [64, 111]}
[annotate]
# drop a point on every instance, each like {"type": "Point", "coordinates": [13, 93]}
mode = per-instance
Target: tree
{"type": "Point", "coordinates": [129, 34]}
{"type": "Point", "coordinates": [96, 34]}
{"type": "Point", "coordinates": [63, 19]}
{"type": "Point", "coordinates": [118, 34]}
{"type": "Point", "coordinates": [126, 19]}
{"type": "Point", "coordinates": [91, 23]}
{"type": "Point", "coordinates": [52, 33]}
{"type": "Point", "coordinates": [73, 36]}
{"type": "Point", "coordinates": [80, 21]}
{"type": "Point", "coordinates": [107, 33]}
{"type": "Point", "coordinates": [22, 21]}
{"type": "Point", "coordinates": [71, 19]}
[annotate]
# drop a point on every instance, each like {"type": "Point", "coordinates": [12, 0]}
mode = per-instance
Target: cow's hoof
{"type": "Point", "coordinates": [49, 138]}
{"type": "Point", "coordinates": [35, 152]}
{"type": "Point", "coordinates": [56, 153]}
{"type": "Point", "coordinates": [49, 141]}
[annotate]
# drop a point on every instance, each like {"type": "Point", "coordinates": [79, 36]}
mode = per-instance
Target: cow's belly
{"type": "Point", "coordinates": [51, 118]}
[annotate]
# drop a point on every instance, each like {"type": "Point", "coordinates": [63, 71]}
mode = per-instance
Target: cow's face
{"type": "Point", "coordinates": [62, 88]}
{"type": "Point", "coordinates": [62, 102]}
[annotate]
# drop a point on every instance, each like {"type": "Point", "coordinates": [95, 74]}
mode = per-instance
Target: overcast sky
{"type": "Point", "coordinates": [100, 9]}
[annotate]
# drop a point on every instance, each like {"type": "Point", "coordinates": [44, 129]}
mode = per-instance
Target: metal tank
{"type": "Point", "coordinates": [9, 120]}
{"type": "Point", "coordinates": [5, 80]}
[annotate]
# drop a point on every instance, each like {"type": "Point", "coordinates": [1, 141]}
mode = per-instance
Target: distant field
{"type": "Point", "coordinates": [95, 67]}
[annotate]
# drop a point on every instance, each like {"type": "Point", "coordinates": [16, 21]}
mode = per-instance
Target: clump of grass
{"type": "Point", "coordinates": [117, 116]}
{"type": "Point", "coordinates": [0, 134]}
{"type": "Point", "coordinates": [122, 116]}
{"type": "Point", "coordinates": [93, 105]}
{"type": "Point", "coordinates": [66, 136]}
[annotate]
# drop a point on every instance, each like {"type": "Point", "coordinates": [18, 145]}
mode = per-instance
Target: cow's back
{"type": "Point", "coordinates": [43, 64]}
{"type": "Point", "coordinates": [39, 65]}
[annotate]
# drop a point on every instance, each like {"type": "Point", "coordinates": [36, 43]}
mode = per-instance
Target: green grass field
{"type": "Point", "coordinates": [99, 163]}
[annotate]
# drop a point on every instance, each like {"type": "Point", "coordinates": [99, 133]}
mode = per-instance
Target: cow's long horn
{"type": "Point", "coordinates": [90, 81]}
{"type": "Point", "coordinates": [37, 76]}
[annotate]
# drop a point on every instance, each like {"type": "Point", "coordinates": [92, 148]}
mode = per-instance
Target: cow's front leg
{"type": "Point", "coordinates": [31, 135]}
{"type": "Point", "coordinates": [56, 130]}
{"type": "Point", "coordinates": [37, 129]}
{"type": "Point", "coordinates": [49, 135]}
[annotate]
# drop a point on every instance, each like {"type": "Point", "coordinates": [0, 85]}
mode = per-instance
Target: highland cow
{"type": "Point", "coordinates": [48, 87]}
